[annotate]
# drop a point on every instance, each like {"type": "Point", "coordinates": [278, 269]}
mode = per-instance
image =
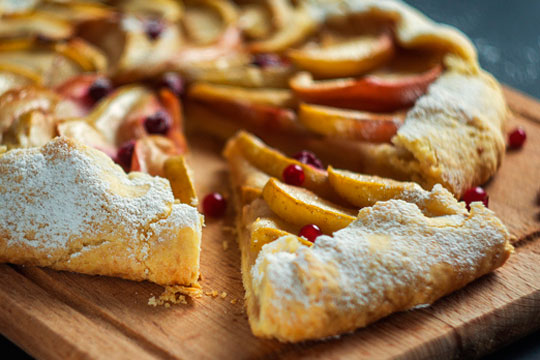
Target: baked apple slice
{"type": "Point", "coordinates": [74, 12]}
{"type": "Point", "coordinates": [257, 109]}
{"type": "Point", "coordinates": [177, 171]}
{"type": "Point", "coordinates": [85, 133]}
{"type": "Point", "coordinates": [384, 91]}
{"type": "Point", "coordinates": [52, 62]}
{"type": "Point", "coordinates": [221, 93]}
{"type": "Point", "coordinates": [273, 163]}
{"type": "Point", "coordinates": [14, 77]}
{"type": "Point", "coordinates": [35, 24]}
{"type": "Point", "coordinates": [349, 124]}
{"type": "Point", "coordinates": [244, 75]}
{"type": "Point", "coordinates": [206, 20]}
{"type": "Point", "coordinates": [365, 190]}
{"type": "Point", "coordinates": [17, 102]}
{"type": "Point", "coordinates": [350, 57]}
{"type": "Point", "coordinates": [301, 206]}
{"type": "Point", "coordinates": [31, 129]}
{"type": "Point", "coordinates": [168, 10]}
{"type": "Point", "coordinates": [136, 47]}
{"type": "Point", "coordinates": [292, 25]}
{"type": "Point", "coordinates": [150, 154]}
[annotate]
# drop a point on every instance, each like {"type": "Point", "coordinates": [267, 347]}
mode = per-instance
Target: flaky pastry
{"type": "Point", "coordinates": [69, 207]}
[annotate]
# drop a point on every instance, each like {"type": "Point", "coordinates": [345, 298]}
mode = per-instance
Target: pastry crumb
{"type": "Point", "coordinates": [225, 244]}
{"type": "Point", "coordinates": [223, 295]}
{"type": "Point", "coordinates": [175, 295]}
{"type": "Point", "coordinates": [212, 293]}
{"type": "Point", "coordinates": [233, 301]}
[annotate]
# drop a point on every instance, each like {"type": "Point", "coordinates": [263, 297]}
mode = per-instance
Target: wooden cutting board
{"type": "Point", "coordinates": [58, 315]}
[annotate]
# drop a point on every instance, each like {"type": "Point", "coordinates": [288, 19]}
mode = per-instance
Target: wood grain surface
{"type": "Point", "coordinates": [58, 315]}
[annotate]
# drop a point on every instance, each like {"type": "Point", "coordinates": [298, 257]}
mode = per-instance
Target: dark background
{"type": "Point", "coordinates": [505, 32]}
{"type": "Point", "coordinates": [507, 36]}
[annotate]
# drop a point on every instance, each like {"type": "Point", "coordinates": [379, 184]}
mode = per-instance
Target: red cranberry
{"type": "Point", "coordinates": [99, 89]}
{"type": "Point", "coordinates": [310, 232]}
{"type": "Point", "coordinates": [214, 205]}
{"type": "Point", "coordinates": [475, 194]}
{"type": "Point", "coordinates": [173, 82]}
{"type": "Point", "coordinates": [154, 28]}
{"type": "Point", "coordinates": [294, 175]}
{"type": "Point", "coordinates": [125, 154]}
{"type": "Point", "coordinates": [268, 60]}
{"type": "Point", "coordinates": [308, 158]}
{"type": "Point", "coordinates": [158, 123]}
{"type": "Point", "coordinates": [517, 138]}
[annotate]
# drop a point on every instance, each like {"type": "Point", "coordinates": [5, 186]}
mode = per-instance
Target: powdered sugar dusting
{"type": "Point", "coordinates": [52, 197]}
{"type": "Point", "coordinates": [391, 258]}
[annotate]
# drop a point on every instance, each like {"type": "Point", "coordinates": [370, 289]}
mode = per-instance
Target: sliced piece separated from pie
{"type": "Point", "coordinates": [69, 207]}
{"type": "Point", "coordinates": [327, 251]}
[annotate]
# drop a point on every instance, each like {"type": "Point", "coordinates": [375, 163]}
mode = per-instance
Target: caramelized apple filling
{"type": "Point", "coordinates": [323, 202]}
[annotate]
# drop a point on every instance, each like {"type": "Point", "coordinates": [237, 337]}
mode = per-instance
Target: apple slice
{"type": "Point", "coordinates": [265, 231]}
{"type": "Point", "coordinates": [173, 107]}
{"type": "Point", "coordinates": [177, 171]}
{"type": "Point", "coordinates": [272, 162]}
{"type": "Point", "coordinates": [255, 21]}
{"type": "Point", "coordinates": [75, 90]}
{"type": "Point", "coordinates": [245, 75]}
{"type": "Point", "coordinates": [85, 133]}
{"type": "Point", "coordinates": [75, 12]}
{"type": "Point", "coordinates": [150, 154]}
{"type": "Point", "coordinates": [34, 24]}
{"type": "Point", "coordinates": [52, 63]}
{"type": "Point", "coordinates": [206, 20]}
{"type": "Point", "coordinates": [271, 97]}
{"type": "Point", "coordinates": [365, 190]}
{"type": "Point", "coordinates": [257, 109]}
{"type": "Point", "coordinates": [227, 45]}
{"type": "Point", "coordinates": [385, 91]}
{"type": "Point", "coordinates": [349, 124]}
{"type": "Point", "coordinates": [16, 102]}
{"type": "Point", "coordinates": [13, 77]}
{"type": "Point", "coordinates": [351, 57]}
{"type": "Point", "coordinates": [31, 129]}
{"type": "Point", "coordinates": [301, 206]}
{"type": "Point", "coordinates": [169, 10]}
{"type": "Point", "coordinates": [108, 116]}
{"type": "Point", "coordinates": [249, 179]}
{"type": "Point", "coordinates": [293, 25]}
{"type": "Point", "coordinates": [132, 53]}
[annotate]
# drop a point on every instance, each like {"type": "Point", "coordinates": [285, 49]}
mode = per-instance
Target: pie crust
{"type": "Point", "coordinates": [69, 207]}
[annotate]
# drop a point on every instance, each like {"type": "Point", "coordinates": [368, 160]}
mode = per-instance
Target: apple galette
{"type": "Point", "coordinates": [371, 86]}
{"type": "Point", "coordinates": [327, 251]}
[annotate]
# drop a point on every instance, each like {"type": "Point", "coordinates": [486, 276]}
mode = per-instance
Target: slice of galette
{"type": "Point", "coordinates": [69, 207]}
{"type": "Point", "coordinates": [327, 251]}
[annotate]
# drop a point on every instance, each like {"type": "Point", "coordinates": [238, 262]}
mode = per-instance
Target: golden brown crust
{"type": "Point", "coordinates": [82, 213]}
{"type": "Point", "coordinates": [392, 258]}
